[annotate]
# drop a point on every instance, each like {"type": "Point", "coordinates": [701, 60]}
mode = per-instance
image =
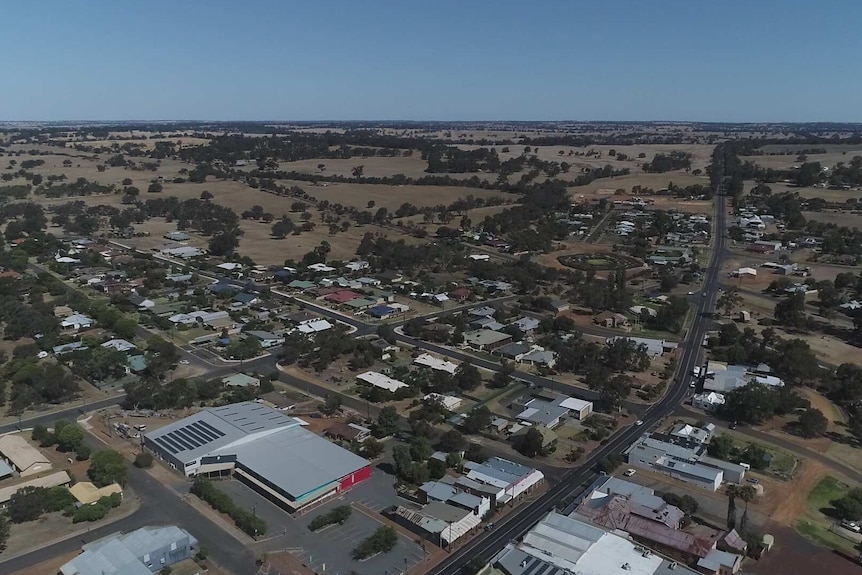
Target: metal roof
{"type": "Point", "coordinates": [120, 554]}
{"type": "Point", "coordinates": [214, 428]}
{"type": "Point", "coordinates": [295, 460]}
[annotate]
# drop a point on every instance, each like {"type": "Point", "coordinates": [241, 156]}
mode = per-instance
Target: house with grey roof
{"type": "Point", "coordinates": [144, 551]}
{"type": "Point", "coordinates": [486, 339]}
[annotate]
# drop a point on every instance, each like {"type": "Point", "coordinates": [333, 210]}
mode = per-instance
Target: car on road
{"type": "Point", "coordinates": [693, 384]}
{"type": "Point", "coordinates": [851, 526]}
{"type": "Point", "coordinates": [184, 362]}
{"type": "Point", "coordinates": [639, 422]}
{"type": "Point", "coordinates": [691, 293]}
{"type": "Point", "coordinates": [629, 472]}
{"type": "Point", "coordinates": [703, 294]}
{"type": "Point", "coordinates": [753, 480]}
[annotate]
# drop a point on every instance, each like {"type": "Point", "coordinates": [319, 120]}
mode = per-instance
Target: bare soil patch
{"type": "Point", "coordinates": [791, 501]}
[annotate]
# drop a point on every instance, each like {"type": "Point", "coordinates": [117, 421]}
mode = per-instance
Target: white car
{"type": "Point", "coordinates": [851, 525]}
{"type": "Point", "coordinates": [629, 472]}
{"type": "Point", "coordinates": [691, 293]}
{"type": "Point", "coordinates": [184, 362]}
{"type": "Point", "coordinates": [693, 384]}
{"type": "Point", "coordinates": [639, 422]}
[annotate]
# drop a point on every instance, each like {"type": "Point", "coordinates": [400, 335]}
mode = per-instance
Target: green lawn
{"type": "Point", "coordinates": [815, 525]}
{"type": "Point", "coordinates": [827, 490]}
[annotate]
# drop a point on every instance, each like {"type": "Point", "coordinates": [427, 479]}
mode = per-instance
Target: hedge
{"type": "Point", "coordinates": [383, 540]}
{"type": "Point", "coordinates": [338, 515]}
{"type": "Point", "coordinates": [221, 502]}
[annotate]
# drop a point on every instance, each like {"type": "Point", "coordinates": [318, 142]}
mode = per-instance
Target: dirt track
{"type": "Point", "coordinates": [793, 499]}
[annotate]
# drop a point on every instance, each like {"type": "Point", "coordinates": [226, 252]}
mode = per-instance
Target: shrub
{"type": "Point", "coordinates": [89, 513]}
{"type": "Point", "coordinates": [338, 515]}
{"type": "Point", "coordinates": [144, 460]}
{"type": "Point", "coordinates": [382, 541]}
{"type": "Point", "coordinates": [221, 501]}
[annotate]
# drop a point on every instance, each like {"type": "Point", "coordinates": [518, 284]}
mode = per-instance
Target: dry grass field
{"type": "Point", "coordinates": [391, 197]}
{"type": "Point", "coordinates": [846, 219]}
{"type": "Point", "coordinates": [834, 153]}
{"type": "Point", "coordinates": [412, 166]}
{"type": "Point", "coordinates": [826, 194]}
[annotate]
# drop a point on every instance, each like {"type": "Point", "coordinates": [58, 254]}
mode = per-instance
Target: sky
{"type": "Point", "coordinates": [685, 60]}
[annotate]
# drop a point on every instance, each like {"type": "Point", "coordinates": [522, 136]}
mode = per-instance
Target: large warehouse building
{"type": "Point", "coordinates": [263, 448]}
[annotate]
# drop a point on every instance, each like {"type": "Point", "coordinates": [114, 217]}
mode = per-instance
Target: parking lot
{"type": "Point", "coordinates": [329, 551]}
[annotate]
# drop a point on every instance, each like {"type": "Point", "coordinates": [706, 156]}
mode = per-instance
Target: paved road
{"type": "Point", "coordinates": [515, 525]}
{"type": "Point", "coordinates": [159, 506]}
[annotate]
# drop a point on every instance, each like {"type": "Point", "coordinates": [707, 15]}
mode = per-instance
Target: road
{"type": "Point", "coordinates": [518, 523]}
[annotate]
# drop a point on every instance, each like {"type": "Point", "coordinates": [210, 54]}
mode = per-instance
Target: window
{"type": "Point", "coordinates": [174, 546]}
{"type": "Point", "coordinates": [147, 558]}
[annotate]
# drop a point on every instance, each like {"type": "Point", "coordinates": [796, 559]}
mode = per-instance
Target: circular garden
{"type": "Point", "coordinates": [599, 261]}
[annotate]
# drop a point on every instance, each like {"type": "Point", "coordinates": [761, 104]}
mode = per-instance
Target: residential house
{"type": "Point", "coordinates": [559, 306]}
{"type": "Point", "coordinates": [136, 364]}
{"type": "Point", "coordinates": [357, 265]}
{"type": "Point", "coordinates": [142, 552]}
{"type": "Point", "coordinates": [265, 338]}
{"type": "Point", "coordinates": [347, 432]}
{"type": "Point", "coordinates": [316, 326]}
{"type": "Point", "coordinates": [277, 400]}
{"type": "Point", "coordinates": [513, 351]}
{"type": "Point", "coordinates": [486, 339]}
{"type": "Point", "coordinates": [428, 360]}
{"type": "Point", "coordinates": [76, 322]}
{"type": "Point", "coordinates": [382, 381]}
{"type": "Point", "coordinates": [119, 345]}
{"type": "Point", "coordinates": [449, 402]}
{"type": "Point", "coordinates": [709, 402]}
{"type": "Point", "coordinates": [382, 311]}
{"type": "Point", "coordinates": [526, 325]}
{"type": "Point", "coordinates": [540, 357]}
{"type": "Point", "coordinates": [611, 319]}
{"type": "Point", "coordinates": [320, 268]}
{"type": "Point", "coordinates": [140, 302]}
{"type": "Point", "coordinates": [245, 299]}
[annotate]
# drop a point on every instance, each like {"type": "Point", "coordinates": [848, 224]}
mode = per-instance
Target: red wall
{"type": "Point", "coordinates": [357, 476]}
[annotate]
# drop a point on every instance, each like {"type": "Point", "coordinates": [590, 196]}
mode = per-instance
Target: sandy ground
{"type": "Point", "coordinates": [836, 416]}
{"type": "Point", "coordinates": [792, 501]}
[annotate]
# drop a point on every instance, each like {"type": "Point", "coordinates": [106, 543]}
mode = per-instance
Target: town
{"type": "Point", "coordinates": [333, 288]}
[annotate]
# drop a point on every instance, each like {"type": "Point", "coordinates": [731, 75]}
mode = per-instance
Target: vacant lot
{"type": "Point", "coordinates": [833, 155]}
{"type": "Point", "coordinates": [826, 194]}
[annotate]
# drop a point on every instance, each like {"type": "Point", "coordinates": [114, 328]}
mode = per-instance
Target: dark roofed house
{"type": "Point", "coordinates": [348, 432]}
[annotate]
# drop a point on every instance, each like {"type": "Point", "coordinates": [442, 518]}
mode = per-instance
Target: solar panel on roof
{"type": "Point", "coordinates": [203, 439]}
{"type": "Point", "coordinates": [181, 432]}
{"type": "Point", "coordinates": [173, 447]}
{"type": "Point", "coordinates": [211, 428]}
{"type": "Point", "coordinates": [166, 445]}
{"type": "Point", "coordinates": [173, 443]}
{"type": "Point", "coordinates": [180, 440]}
{"type": "Point", "coordinates": [204, 431]}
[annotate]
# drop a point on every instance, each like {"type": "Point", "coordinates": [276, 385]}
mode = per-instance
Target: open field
{"type": "Point", "coordinates": [825, 193]}
{"type": "Point", "coordinates": [834, 153]}
{"type": "Point", "coordinates": [391, 197]}
{"type": "Point", "coordinates": [605, 187]}
{"type": "Point", "coordinates": [846, 219]}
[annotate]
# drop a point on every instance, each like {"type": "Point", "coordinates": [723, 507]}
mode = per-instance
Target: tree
{"type": "Point", "coordinates": [531, 443]}
{"type": "Point", "coordinates": [206, 195]}
{"type": "Point", "coordinates": [752, 403]}
{"type": "Point", "coordinates": [732, 492]}
{"type": "Point", "coordinates": [223, 244]}
{"type": "Point", "coordinates": [125, 328]}
{"type": "Point", "coordinates": [721, 446]}
{"type": "Point", "coordinates": [436, 469]}
{"type": "Point", "coordinates": [387, 422]}
{"type": "Point", "coordinates": [849, 506]}
{"type": "Point", "coordinates": [4, 532]}
{"type": "Point", "coordinates": [107, 466]}
{"type": "Point", "coordinates": [812, 423]}
{"type": "Point", "coordinates": [26, 504]}
{"type": "Point", "coordinates": [477, 420]}
{"type": "Point", "coordinates": [358, 171]}
{"type": "Point", "coordinates": [372, 448]}
{"type": "Point", "coordinates": [70, 438]}
{"type": "Point", "coordinates": [729, 300]}
{"type": "Point", "coordinates": [332, 405]}
{"type": "Point", "coordinates": [155, 188]}
{"type": "Point", "coordinates": [39, 433]}
{"type": "Point", "coordinates": [143, 460]}
{"type": "Point", "coordinates": [747, 493]}
{"type": "Point", "coordinates": [420, 449]}
{"type": "Point", "coordinates": [467, 376]}
{"type": "Point", "coordinates": [451, 441]}
{"type": "Point", "coordinates": [791, 311]}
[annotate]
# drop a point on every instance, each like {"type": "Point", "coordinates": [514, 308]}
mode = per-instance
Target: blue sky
{"type": "Point", "coordinates": [761, 60]}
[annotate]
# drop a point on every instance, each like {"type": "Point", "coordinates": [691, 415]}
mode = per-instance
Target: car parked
{"type": "Point", "coordinates": [629, 472]}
